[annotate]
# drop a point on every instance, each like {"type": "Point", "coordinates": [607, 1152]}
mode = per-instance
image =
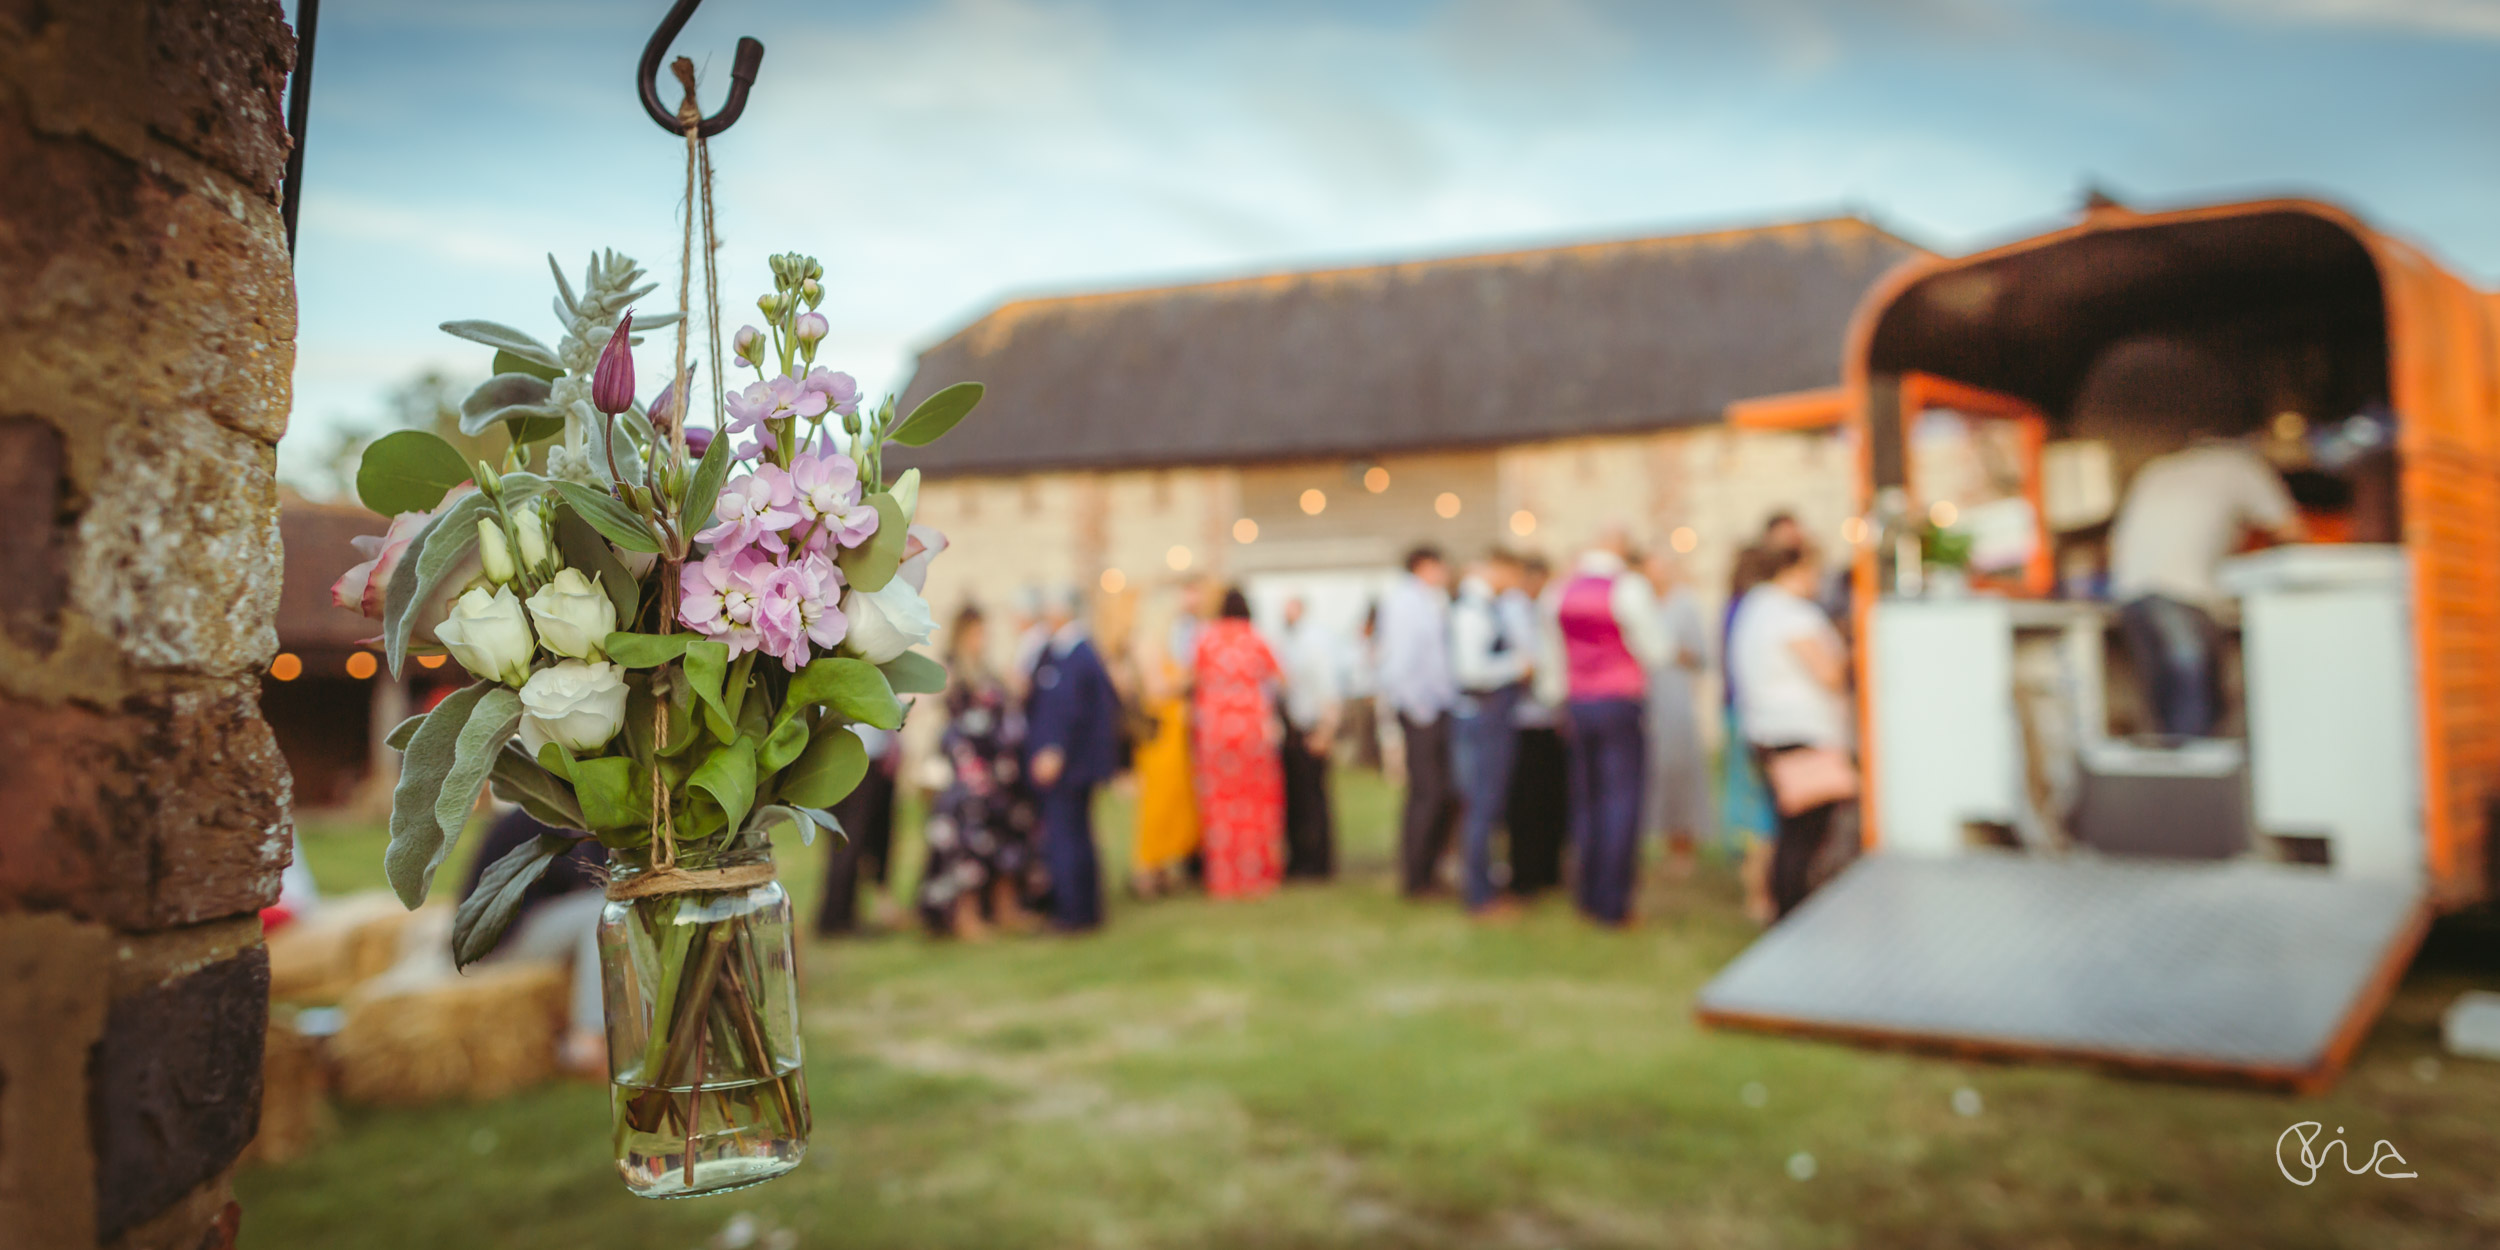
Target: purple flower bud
{"type": "Point", "coordinates": [663, 410]}
{"type": "Point", "coordinates": [612, 379]}
{"type": "Point", "coordinates": [749, 344]}
{"type": "Point", "coordinates": [811, 329]}
{"type": "Point", "coordinates": [698, 440]}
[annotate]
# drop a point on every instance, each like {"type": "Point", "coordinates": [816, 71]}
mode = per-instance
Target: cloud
{"type": "Point", "coordinates": [2477, 18]}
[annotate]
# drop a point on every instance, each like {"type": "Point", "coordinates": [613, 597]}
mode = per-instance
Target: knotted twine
{"type": "Point", "coordinates": [664, 876]}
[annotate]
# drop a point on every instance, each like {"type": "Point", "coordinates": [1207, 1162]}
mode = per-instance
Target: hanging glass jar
{"type": "Point", "coordinates": [701, 983]}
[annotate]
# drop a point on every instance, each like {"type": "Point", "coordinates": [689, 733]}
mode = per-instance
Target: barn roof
{"type": "Point", "coordinates": [319, 547]}
{"type": "Point", "coordinates": [1552, 342]}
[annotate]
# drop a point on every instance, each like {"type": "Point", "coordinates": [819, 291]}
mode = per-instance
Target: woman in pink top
{"type": "Point", "coordinates": [1604, 634]}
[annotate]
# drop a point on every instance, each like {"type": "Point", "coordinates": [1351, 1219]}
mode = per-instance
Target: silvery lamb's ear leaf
{"type": "Point", "coordinates": [489, 402]}
{"type": "Point", "coordinates": [570, 307]}
{"type": "Point", "coordinates": [491, 724]}
{"type": "Point", "coordinates": [519, 779]}
{"type": "Point", "coordinates": [489, 910]}
{"type": "Point", "coordinates": [440, 547]}
{"type": "Point", "coordinates": [658, 321]}
{"type": "Point", "coordinates": [638, 292]}
{"type": "Point", "coordinates": [417, 843]}
{"type": "Point", "coordinates": [504, 338]}
{"type": "Point", "coordinates": [398, 741]}
{"type": "Point", "coordinates": [506, 362]}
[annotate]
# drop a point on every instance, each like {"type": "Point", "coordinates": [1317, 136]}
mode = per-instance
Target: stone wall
{"type": "Point", "coordinates": [147, 325]}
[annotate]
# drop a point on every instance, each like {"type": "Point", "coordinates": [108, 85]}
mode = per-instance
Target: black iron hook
{"type": "Point", "coordinates": [741, 75]}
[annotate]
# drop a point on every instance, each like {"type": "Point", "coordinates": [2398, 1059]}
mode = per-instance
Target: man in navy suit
{"type": "Point", "coordinates": [1072, 741]}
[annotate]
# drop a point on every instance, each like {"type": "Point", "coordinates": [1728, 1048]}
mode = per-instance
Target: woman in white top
{"type": "Point", "coordinates": [1678, 803]}
{"type": "Point", "coordinates": [1792, 675]}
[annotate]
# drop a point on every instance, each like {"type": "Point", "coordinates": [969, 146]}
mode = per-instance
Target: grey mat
{"type": "Point", "coordinates": [2239, 965]}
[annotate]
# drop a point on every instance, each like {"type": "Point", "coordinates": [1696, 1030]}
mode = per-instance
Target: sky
{"type": "Point", "coordinates": [940, 157]}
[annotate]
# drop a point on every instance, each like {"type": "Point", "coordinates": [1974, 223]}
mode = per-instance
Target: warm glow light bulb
{"type": "Point", "coordinates": [1684, 538]}
{"type": "Point", "coordinates": [1114, 581]}
{"type": "Point", "coordinates": [1375, 479]}
{"type": "Point", "coordinates": [1944, 514]}
{"type": "Point", "coordinates": [286, 667]}
{"type": "Point", "coordinates": [1522, 522]}
{"type": "Point", "coordinates": [1178, 558]}
{"type": "Point", "coordinates": [1245, 530]}
{"type": "Point", "coordinates": [362, 665]}
{"type": "Point", "coordinates": [1446, 504]}
{"type": "Point", "coordinates": [1313, 502]}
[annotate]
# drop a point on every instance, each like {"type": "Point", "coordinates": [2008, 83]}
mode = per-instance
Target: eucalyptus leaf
{"type": "Point", "coordinates": [914, 673]}
{"type": "Point", "coordinates": [707, 663]}
{"type": "Point", "coordinates": [613, 793]}
{"type": "Point", "coordinates": [937, 414]}
{"type": "Point", "coordinates": [609, 515]}
{"type": "Point", "coordinates": [852, 688]}
{"type": "Point", "coordinates": [409, 471]}
{"type": "Point", "coordinates": [647, 650]}
{"type": "Point", "coordinates": [504, 338]}
{"type": "Point", "coordinates": [418, 840]}
{"type": "Point", "coordinates": [825, 820]}
{"type": "Point", "coordinates": [728, 775]}
{"type": "Point", "coordinates": [489, 909]}
{"type": "Point", "coordinates": [869, 566]}
{"type": "Point", "coordinates": [782, 745]}
{"type": "Point", "coordinates": [766, 817]}
{"type": "Point", "coordinates": [582, 549]}
{"type": "Point", "coordinates": [703, 485]}
{"type": "Point", "coordinates": [517, 779]}
{"type": "Point", "coordinates": [827, 771]}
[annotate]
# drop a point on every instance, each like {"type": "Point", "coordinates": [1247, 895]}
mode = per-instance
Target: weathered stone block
{"type": "Point", "coordinates": [218, 69]}
{"type": "Point", "coordinates": [34, 562]}
{"type": "Point", "coordinates": [55, 976]}
{"type": "Point", "coordinates": [178, 559]}
{"type": "Point", "coordinates": [169, 810]}
{"type": "Point", "coordinates": [165, 1118]}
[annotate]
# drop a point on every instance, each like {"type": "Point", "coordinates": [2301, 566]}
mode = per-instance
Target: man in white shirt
{"type": "Point", "coordinates": [1538, 808]}
{"type": "Point", "coordinates": [2185, 512]}
{"type": "Point", "coordinates": [1491, 646]}
{"type": "Point", "coordinates": [1314, 680]}
{"type": "Point", "coordinates": [1414, 679]}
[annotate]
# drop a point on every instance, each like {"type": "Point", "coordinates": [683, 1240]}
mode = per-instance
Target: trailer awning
{"type": "Point", "coordinates": [2264, 972]}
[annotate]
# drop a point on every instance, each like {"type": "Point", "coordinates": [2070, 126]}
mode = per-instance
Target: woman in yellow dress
{"type": "Point", "coordinates": [1167, 796]}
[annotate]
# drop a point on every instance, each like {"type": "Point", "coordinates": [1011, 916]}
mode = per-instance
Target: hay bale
{"type": "Point", "coordinates": [429, 1038]}
{"type": "Point", "coordinates": [295, 1112]}
{"type": "Point", "coordinates": [344, 943]}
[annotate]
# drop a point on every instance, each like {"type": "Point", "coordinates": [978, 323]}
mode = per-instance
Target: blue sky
{"type": "Point", "coordinates": [941, 156]}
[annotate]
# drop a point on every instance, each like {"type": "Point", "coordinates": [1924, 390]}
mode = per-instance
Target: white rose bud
{"type": "Point", "coordinates": [906, 492]}
{"type": "Point", "coordinates": [574, 617]}
{"type": "Point", "coordinates": [489, 635]}
{"type": "Point", "coordinates": [529, 532]}
{"type": "Point", "coordinates": [579, 705]}
{"type": "Point", "coordinates": [887, 623]}
{"type": "Point", "coordinates": [492, 550]}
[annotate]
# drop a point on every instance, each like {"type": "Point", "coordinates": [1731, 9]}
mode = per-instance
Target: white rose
{"type": "Point", "coordinates": [578, 704]}
{"type": "Point", "coordinates": [489, 636]}
{"type": "Point", "coordinates": [887, 623]}
{"type": "Point", "coordinates": [574, 617]}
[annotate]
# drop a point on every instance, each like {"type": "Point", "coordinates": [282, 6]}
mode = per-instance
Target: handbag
{"type": "Point", "coordinates": [1805, 778]}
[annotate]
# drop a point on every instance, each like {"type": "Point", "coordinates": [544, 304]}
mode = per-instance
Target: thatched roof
{"type": "Point", "coordinates": [316, 538]}
{"type": "Point", "coordinates": [1471, 351]}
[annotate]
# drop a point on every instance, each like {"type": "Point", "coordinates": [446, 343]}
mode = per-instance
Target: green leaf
{"type": "Point", "coordinates": [703, 485]}
{"type": "Point", "coordinates": [614, 794]}
{"type": "Point", "coordinates": [409, 471]}
{"type": "Point", "coordinates": [504, 338]}
{"type": "Point", "coordinates": [745, 713]}
{"type": "Point", "coordinates": [555, 758]}
{"type": "Point", "coordinates": [495, 398]}
{"type": "Point", "coordinates": [488, 911]}
{"type": "Point", "coordinates": [797, 818]}
{"type": "Point", "coordinates": [609, 515]}
{"type": "Point", "coordinates": [707, 663]}
{"type": "Point", "coordinates": [506, 362]}
{"type": "Point", "coordinates": [582, 549]}
{"type": "Point", "coordinates": [418, 842]}
{"type": "Point", "coordinates": [729, 777]}
{"type": "Point", "coordinates": [853, 688]}
{"type": "Point", "coordinates": [827, 771]}
{"type": "Point", "coordinates": [870, 566]}
{"type": "Point", "coordinates": [782, 745]}
{"type": "Point", "coordinates": [937, 414]}
{"type": "Point", "coordinates": [491, 724]}
{"type": "Point", "coordinates": [914, 673]}
{"type": "Point", "coordinates": [398, 739]}
{"type": "Point", "coordinates": [540, 792]}
{"type": "Point", "coordinates": [647, 650]}
{"type": "Point", "coordinates": [441, 546]}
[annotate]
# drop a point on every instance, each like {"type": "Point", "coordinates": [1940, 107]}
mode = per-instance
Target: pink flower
{"type": "Point", "coordinates": [364, 587]}
{"type": "Point", "coordinates": [921, 544]}
{"type": "Point", "coordinates": [772, 400]}
{"type": "Point", "coordinates": [839, 389]}
{"type": "Point", "coordinates": [753, 507]}
{"type": "Point", "coordinates": [811, 591]}
{"type": "Point", "coordinates": [826, 492]}
{"type": "Point", "coordinates": [612, 379]}
{"type": "Point", "coordinates": [723, 597]}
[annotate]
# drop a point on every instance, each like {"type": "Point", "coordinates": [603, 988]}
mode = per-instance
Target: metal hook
{"type": "Point", "coordinates": [741, 75]}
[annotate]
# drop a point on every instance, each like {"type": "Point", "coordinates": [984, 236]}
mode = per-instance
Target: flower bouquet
{"type": "Point", "coordinates": [672, 629]}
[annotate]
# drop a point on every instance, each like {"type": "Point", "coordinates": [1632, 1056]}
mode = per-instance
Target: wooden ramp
{"type": "Point", "coordinates": [2239, 970]}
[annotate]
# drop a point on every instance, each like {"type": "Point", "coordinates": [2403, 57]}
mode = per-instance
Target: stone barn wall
{"type": "Point", "coordinates": [147, 325]}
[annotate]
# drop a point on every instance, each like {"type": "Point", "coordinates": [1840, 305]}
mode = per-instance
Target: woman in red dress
{"type": "Point", "coordinates": [1241, 778]}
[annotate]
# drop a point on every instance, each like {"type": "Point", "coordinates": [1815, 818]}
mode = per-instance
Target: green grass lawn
{"type": "Point", "coordinates": [1335, 1067]}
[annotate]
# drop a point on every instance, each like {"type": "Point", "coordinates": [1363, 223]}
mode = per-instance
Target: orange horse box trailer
{"type": "Point", "coordinates": [2039, 884]}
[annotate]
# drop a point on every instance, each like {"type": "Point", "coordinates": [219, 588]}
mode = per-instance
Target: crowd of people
{"type": "Point", "coordinates": [1546, 722]}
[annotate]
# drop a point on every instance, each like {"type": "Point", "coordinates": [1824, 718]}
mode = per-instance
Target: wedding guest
{"type": "Point", "coordinates": [1241, 783]}
{"type": "Point", "coordinates": [1538, 812]}
{"type": "Point", "coordinates": [1678, 801]}
{"type": "Point", "coordinates": [1792, 676]}
{"type": "Point", "coordinates": [981, 826]}
{"type": "Point", "coordinates": [1745, 815]}
{"type": "Point", "coordinates": [1415, 681]}
{"type": "Point", "coordinates": [1073, 740]}
{"type": "Point", "coordinates": [1491, 658]}
{"type": "Point", "coordinates": [1167, 782]}
{"type": "Point", "coordinates": [1603, 637]}
{"type": "Point", "coordinates": [1313, 664]}
{"type": "Point", "coordinates": [867, 818]}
